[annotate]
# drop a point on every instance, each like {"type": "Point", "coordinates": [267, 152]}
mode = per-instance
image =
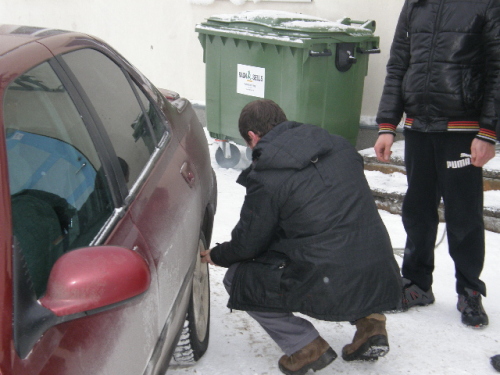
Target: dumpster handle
{"type": "Point", "coordinates": [367, 51]}
{"type": "Point", "coordinates": [326, 52]}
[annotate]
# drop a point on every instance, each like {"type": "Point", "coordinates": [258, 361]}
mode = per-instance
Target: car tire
{"type": "Point", "coordinates": [193, 342]}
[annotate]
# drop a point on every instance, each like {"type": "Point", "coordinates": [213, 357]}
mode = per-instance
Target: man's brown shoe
{"type": "Point", "coordinates": [314, 356]}
{"type": "Point", "coordinates": [370, 340]}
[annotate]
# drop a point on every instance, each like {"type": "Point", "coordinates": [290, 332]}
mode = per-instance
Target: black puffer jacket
{"type": "Point", "coordinates": [497, 108]}
{"type": "Point", "coordinates": [443, 68]}
{"type": "Point", "coordinates": [310, 238]}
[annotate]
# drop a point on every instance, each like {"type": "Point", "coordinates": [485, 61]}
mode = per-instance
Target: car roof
{"type": "Point", "coordinates": [14, 36]}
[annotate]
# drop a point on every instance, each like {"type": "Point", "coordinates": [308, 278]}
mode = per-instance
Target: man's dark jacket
{"type": "Point", "coordinates": [309, 238]}
{"type": "Point", "coordinates": [443, 67]}
{"type": "Point", "coordinates": [497, 107]}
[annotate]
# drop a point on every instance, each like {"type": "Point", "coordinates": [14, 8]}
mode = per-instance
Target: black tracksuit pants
{"type": "Point", "coordinates": [438, 165]}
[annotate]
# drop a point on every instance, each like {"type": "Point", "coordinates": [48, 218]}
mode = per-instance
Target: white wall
{"type": "Point", "coordinates": [158, 36]}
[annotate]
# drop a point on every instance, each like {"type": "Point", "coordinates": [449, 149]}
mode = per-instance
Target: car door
{"type": "Point", "coordinates": [65, 194]}
{"type": "Point", "coordinates": [167, 207]}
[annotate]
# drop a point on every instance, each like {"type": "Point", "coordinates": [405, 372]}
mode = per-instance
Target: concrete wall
{"type": "Point", "coordinates": [158, 36]}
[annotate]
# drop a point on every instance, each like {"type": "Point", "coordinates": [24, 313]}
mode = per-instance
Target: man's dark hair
{"type": "Point", "coordinates": [260, 116]}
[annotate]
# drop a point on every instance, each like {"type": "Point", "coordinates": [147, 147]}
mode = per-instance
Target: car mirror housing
{"type": "Point", "coordinates": [94, 278]}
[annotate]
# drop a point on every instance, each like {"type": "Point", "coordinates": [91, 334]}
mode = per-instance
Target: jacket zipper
{"type": "Point", "coordinates": [431, 58]}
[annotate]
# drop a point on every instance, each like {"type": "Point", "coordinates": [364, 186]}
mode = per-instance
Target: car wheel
{"type": "Point", "coordinates": [193, 342]}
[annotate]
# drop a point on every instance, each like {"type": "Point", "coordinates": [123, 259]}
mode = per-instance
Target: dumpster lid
{"type": "Point", "coordinates": [288, 23]}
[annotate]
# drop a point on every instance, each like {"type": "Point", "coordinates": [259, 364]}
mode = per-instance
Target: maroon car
{"type": "Point", "coordinates": [107, 197]}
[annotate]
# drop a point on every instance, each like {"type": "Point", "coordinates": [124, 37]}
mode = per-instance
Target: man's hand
{"type": "Point", "coordinates": [481, 152]}
{"type": "Point", "coordinates": [383, 147]}
{"type": "Point", "coordinates": [205, 257]}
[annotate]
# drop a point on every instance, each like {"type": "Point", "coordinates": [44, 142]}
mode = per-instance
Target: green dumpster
{"type": "Point", "coordinates": [312, 67]}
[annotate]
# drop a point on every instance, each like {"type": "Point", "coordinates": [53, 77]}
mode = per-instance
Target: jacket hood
{"type": "Point", "coordinates": [291, 145]}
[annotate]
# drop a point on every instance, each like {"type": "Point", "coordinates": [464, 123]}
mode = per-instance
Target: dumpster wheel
{"type": "Point", "coordinates": [227, 157]}
{"type": "Point", "coordinates": [248, 154]}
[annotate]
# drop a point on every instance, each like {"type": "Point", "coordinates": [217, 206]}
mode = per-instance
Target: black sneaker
{"type": "Point", "coordinates": [471, 307]}
{"type": "Point", "coordinates": [495, 362]}
{"type": "Point", "coordinates": [414, 296]}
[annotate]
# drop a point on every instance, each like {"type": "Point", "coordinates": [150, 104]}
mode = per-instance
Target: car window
{"type": "Point", "coordinates": [60, 197]}
{"type": "Point", "coordinates": [157, 123]}
{"type": "Point", "coordinates": [118, 106]}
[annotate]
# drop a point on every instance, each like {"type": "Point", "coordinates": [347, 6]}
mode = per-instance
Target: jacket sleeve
{"type": "Point", "coordinates": [497, 112]}
{"type": "Point", "coordinates": [491, 34]}
{"type": "Point", "coordinates": [391, 105]}
{"type": "Point", "coordinates": [255, 230]}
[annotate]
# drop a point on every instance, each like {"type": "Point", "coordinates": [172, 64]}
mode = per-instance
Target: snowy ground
{"type": "Point", "coordinates": [427, 340]}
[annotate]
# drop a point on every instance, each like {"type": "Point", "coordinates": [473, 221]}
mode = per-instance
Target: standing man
{"type": "Point", "coordinates": [495, 360]}
{"type": "Point", "coordinates": [442, 72]}
{"type": "Point", "coordinates": [309, 240]}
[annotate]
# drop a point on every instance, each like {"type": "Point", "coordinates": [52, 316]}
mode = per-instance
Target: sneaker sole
{"type": "Point", "coordinates": [405, 307]}
{"type": "Point", "coordinates": [475, 326]}
{"type": "Point", "coordinates": [375, 347]}
{"type": "Point", "coordinates": [323, 361]}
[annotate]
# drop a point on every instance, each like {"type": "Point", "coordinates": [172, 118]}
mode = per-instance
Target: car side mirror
{"type": "Point", "coordinates": [94, 278]}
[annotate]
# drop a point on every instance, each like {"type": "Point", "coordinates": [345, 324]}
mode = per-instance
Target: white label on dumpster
{"type": "Point", "coordinates": [251, 80]}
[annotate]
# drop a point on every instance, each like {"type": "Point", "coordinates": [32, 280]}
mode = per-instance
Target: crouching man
{"type": "Point", "coordinates": [309, 240]}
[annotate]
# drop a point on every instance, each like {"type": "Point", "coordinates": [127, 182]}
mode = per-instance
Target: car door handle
{"type": "Point", "coordinates": [188, 174]}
